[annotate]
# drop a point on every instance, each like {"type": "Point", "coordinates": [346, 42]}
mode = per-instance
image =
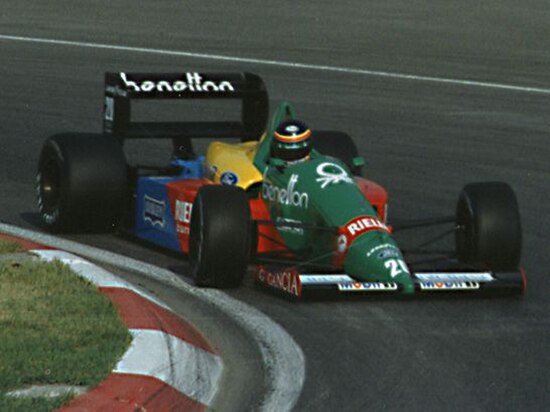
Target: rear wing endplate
{"type": "Point", "coordinates": [246, 88]}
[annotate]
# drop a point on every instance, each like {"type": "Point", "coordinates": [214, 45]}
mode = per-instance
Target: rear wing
{"type": "Point", "coordinates": [246, 88]}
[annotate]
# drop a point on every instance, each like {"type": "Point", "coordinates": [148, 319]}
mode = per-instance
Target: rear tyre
{"type": "Point", "coordinates": [219, 242]}
{"type": "Point", "coordinates": [488, 226]}
{"type": "Point", "coordinates": [339, 145]}
{"type": "Point", "coordinates": [81, 183]}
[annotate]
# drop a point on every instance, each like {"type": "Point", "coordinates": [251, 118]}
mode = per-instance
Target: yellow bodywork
{"type": "Point", "coordinates": [237, 159]}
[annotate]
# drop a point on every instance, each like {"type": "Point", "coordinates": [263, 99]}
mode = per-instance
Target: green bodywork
{"type": "Point", "coordinates": [321, 192]}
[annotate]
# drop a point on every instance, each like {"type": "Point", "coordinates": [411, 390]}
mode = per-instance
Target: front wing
{"type": "Point", "coordinates": [484, 283]}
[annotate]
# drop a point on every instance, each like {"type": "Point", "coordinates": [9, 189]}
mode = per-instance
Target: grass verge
{"type": "Point", "coordinates": [55, 328]}
{"type": "Point", "coordinates": [9, 247]}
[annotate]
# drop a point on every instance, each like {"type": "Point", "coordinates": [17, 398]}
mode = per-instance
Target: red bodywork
{"type": "Point", "coordinates": [181, 195]}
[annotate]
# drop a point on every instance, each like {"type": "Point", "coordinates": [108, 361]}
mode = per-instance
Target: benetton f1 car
{"type": "Point", "coordinates": [315, 225]}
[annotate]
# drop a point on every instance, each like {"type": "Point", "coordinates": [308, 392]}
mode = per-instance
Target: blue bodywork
{"type": "Point", "coordinates": [154, 218]}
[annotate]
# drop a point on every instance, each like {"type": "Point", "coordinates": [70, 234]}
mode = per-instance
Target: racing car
{"type": "Point", "coordinates": [311, 226]}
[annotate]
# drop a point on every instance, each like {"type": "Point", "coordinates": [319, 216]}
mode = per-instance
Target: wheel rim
{"type": "Point", "coordinates": [50, 186]}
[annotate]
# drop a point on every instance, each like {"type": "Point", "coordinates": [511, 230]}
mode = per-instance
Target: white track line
{"type": "Point", "coordinates": [235, 59]}
{"type": "Point", "coordinates": [283, 359]}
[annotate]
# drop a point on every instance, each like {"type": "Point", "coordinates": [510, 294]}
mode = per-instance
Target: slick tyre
{"type": "Point", "coordinates": [219, 241]}
{"type": "Point", "coordinates": [488, 226]}
{"type": "Point", "coordinates": [339, 145]}
{"type": "Point", "coordinates": [81, 183]}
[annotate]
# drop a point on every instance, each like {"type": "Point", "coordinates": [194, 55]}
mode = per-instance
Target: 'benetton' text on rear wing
{"type": "Point", "coordinates": [245, 88]}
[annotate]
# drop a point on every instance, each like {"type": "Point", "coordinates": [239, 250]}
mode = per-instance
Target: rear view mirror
{"type": "Point", "coordinates": [358, 161]}
{"type": "Point", "coordinates": [278, 163]}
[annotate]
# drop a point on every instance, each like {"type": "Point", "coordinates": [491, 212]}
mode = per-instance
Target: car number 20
{"type": "Point", "coordinates": [397, 267]}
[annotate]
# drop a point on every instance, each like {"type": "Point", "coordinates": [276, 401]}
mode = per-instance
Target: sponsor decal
{"type": "Point", "coordinates": [384, 251]}
{"type": "Point", "coordinates": [229, 178]}
{"type": "Point", "coordinates": [286, 280]}
{"type": "Point", "coordinates": [190, 82]}
{"type": "Point", "coordinates": [292, 128]}
{"type": "Point", "coordinates": [455, 277]}
{"type": "Point", "coordinates": [183, 216]}
{"type": "Point", "coordinates": [355, 228]}
{"type": "Point", "coordinates": [331, 174]}
{"type": "Point", "coordinates": [210, 171]}
{"type": "Point", "coordinates": [397, 267]}
{"type": "Point", "coordinates": [367, 287]}
{"type": "Point", "coordinates": [109, 111]}
{"type": "Point", "coordinates": [290, 228]}
{"type": "Point", "coordinates": [362, 224]}
{"type": "Point", "coordinates": [388, 253]}
{"type": "Point", "coordinates": [154, 210]}
{"type": "Point", "coordinates": [324, 279]}
{"type": "Point", "coordinates": [116, 91]}
{"type": "Point", "coordinates": [449, 285]}
{"type": "Point", "coordinates": [285, 196]}
{"type": "Point", "coordinates": [342, 243]}
{"type": "Point", "coordinates": [183, 211]}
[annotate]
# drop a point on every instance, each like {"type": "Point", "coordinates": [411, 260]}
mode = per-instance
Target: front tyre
{"type": "Point", "coordinates": [219, 242]}
{"type": "Point", "coordinates": [488, 226]}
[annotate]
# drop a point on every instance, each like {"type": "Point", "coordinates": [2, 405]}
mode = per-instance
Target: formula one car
{"type": "Point", "coordinates": [308, 226]}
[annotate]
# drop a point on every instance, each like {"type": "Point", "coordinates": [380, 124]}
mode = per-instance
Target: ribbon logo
{"type": "Point", "coordinates": [330, 174]}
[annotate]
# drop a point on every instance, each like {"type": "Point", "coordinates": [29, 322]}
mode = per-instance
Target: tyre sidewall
{"type": "Point", "coordinates": [489, 226]}
{"type": "Point", "coordinates": [220, 236]}
{"type": "Point", "coordinates": [93, 182]}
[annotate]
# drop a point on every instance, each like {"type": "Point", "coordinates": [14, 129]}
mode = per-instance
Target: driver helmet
{"type": "Point", "coordinates": [291, 141]}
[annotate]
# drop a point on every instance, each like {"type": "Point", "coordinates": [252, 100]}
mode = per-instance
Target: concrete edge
{"type": "Point", "coordinates": [283, 359]}
{"type": "Point", "coordinates": [165, 350]}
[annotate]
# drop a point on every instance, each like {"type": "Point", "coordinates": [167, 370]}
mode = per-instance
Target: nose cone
{"type": "Point", "coordinates": [375, 257]}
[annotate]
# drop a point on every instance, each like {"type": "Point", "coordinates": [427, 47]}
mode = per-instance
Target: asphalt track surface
{"type": "Point", "coordinates": [423, 139]}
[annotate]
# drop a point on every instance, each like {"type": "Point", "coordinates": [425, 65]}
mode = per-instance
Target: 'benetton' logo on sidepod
{"type": "Point", "coordinates": [285, 196]}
